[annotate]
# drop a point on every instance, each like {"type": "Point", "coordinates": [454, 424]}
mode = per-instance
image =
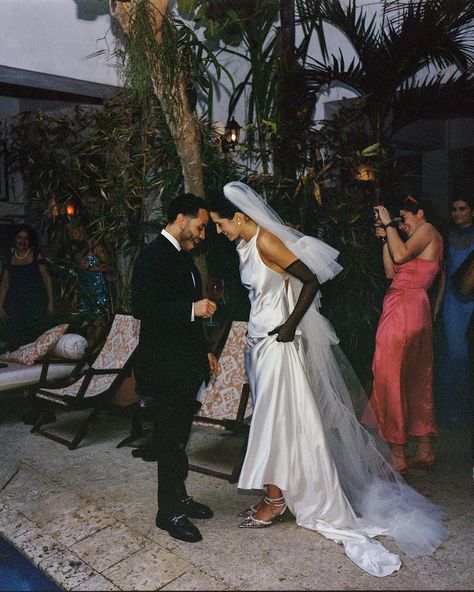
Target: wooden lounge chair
{"type": "Point", "coordinates": [99, 382]}
{"type": "Point", "coordinates": [225, 400]}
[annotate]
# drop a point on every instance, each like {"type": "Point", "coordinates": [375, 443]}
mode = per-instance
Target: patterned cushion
{"type": "Point", "coordinates": [31, 352]}
{"type": "Point", "coordinates": [221, 398]}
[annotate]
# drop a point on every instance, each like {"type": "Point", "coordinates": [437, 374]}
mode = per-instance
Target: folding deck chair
{"type": "Point", "coordinates": [97, 385]}
{"type": "Point", "coordinates": [225, 400]}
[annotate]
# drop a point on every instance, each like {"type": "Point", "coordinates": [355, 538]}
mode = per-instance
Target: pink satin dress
{"type": "Point", "coordinates": [402, 394]}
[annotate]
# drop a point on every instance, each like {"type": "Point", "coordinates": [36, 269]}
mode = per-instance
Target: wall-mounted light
{"type": "Point", "coordinates": [364, 172]}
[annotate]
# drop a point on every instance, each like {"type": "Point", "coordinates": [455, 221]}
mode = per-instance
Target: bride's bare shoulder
{"type": "Point", "coordinates": [264, 238]}
{"type": "Point", "coordinates": [274, 251]}
{"type": "Point", "coordinates": [268, 241]}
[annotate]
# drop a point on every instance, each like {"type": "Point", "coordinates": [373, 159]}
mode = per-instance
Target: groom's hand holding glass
{"type": "Point", "coordinates": [204, 308]}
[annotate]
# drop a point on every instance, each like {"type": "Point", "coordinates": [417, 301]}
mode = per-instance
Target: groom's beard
{"type": "Point", "coordinates": [187, 240]}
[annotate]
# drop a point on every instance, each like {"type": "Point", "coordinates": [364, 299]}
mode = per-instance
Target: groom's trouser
{"type": "Point", "coordinates": [175, 407]}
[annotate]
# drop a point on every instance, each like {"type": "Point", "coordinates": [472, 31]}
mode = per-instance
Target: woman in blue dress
{"type": "Point", "coordinates": [453, 374]}
{"type": "Point", "coordinates": [92, 270]}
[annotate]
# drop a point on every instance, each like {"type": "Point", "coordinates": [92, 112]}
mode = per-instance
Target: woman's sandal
{"type": "Point", "coordinates": [249, 511]}
{"type": "Point", "coordinates": [399, 462]}
{"type": "Point", "coordinates": [252, 522]}
{"type": "Point", "coordinates": [424, 461]}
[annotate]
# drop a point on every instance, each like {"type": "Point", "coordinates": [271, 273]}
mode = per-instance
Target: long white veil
{"type": "Point", "coordinates": [379, 496]}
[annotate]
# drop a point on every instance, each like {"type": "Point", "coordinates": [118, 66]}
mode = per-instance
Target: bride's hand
{"type": "Point", "coordinates": [285, 332]}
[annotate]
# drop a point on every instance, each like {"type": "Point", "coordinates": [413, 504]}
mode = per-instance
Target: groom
{"type": "Point", "coordinates": [172, 356]}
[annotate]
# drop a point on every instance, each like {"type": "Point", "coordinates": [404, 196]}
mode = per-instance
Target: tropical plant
{"type": "Point", "coordinates": [118, 166]}
{"type": "Point", "coordinates": [400, 61]}
{"type": "Point", "coordinates": [261, 34]}
{"type": "Point", "coordinates": [163, 56]}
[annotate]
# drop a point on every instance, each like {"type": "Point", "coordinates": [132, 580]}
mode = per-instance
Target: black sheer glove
{"type": "Point", "coordinates": [286, 332]}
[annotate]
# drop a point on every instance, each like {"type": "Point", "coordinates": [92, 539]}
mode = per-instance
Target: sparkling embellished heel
{"type": "Point", "coordinates": [248, 511]}
{"type": "Point", "coordinates": [252, 509]}
{"type": "Point", "coordinates": [276, 503]}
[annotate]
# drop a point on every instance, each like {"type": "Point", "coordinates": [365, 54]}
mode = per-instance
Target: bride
{"type": "Point", "coordinates": [306, 446]}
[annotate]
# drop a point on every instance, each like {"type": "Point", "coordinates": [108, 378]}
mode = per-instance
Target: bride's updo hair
{"type": "Point", "coordinates": [223, 207]}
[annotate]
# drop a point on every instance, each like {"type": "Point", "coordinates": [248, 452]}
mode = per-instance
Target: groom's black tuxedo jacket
{"type": "Point", "coordinates": [170, 345]}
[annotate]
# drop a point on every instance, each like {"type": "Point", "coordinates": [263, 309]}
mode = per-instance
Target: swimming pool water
{"type": "Point", "coordinates": [18, 574]}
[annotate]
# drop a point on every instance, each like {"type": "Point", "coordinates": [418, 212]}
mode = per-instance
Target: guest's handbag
{"type": "Point", "coordinates": [463, 277]}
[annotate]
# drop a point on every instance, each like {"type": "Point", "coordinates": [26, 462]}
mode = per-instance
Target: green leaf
{"type": "Point", "coordinates": [186, 8]}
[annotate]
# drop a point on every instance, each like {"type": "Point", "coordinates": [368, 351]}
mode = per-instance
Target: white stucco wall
{"type": "Point", "coordinates": [55, 36]}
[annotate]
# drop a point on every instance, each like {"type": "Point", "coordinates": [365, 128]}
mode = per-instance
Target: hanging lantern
{"type": "Point", "coordinates": [232, 134]}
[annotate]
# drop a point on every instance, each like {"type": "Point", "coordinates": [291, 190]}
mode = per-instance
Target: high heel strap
{"type": "Point", "coordinates": [277, 506]}
{"type": "Point", "coordinates": [274, 501]}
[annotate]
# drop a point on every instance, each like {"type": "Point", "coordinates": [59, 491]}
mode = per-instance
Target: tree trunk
{"type": "Point", "coordinates": [286, 115]}
{"type": "Point", "coordinates": [183, 126]}
{"type": "Point", "coordinates": [182, 122]}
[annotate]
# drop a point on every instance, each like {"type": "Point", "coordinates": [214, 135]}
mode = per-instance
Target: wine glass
{"type": "Point", "coordinates": [214, 291]}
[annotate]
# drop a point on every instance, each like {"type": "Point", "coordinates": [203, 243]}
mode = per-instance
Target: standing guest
{"type": "Point", "coordinates": [402, 395]}
{"type": "Point", "coordinates": [453, 372]}
{"type": "Point", "coordinates": [172, 356]}
{"type": "Point", "coordinates": [306, 446]}
{"type": "Point", "coordinates": [26, 290]}
{"type": "Point", "coordinates": [93, 268]}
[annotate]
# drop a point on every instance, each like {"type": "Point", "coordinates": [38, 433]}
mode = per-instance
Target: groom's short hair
{"type": "Point", "coordinates": [187, 204]}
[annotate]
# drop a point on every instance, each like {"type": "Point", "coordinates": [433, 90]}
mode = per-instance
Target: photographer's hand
{"type": "Point", "coordinates": [384, 215]}
{"type": "Point", "coordinates": [380, 232]}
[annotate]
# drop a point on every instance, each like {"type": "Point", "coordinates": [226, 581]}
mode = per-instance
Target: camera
{"type": "Point", "coordinates": [395, 220]}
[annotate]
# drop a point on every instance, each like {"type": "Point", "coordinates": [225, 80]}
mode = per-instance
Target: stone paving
{"type": "Point", "coordinates": [86, 518]}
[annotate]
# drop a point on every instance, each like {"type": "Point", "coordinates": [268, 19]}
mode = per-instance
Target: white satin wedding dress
{"type": "Point", "coordinates": [288, 442]}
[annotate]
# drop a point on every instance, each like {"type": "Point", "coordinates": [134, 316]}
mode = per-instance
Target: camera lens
{"type": "Point", "coordinates": [375, 215]}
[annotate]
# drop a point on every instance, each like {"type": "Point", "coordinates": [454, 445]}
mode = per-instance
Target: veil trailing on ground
{"type": "Point", "coordinates": [378, 495]}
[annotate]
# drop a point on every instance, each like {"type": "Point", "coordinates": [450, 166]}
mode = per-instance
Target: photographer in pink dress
{"type": "Point", "coordinates": [402, 395]}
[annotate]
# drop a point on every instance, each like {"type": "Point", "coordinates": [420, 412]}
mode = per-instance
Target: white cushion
{"type": "Point", "coordinates": [18, 375]}
{"type": "Point", "coordinates": [70, 346]}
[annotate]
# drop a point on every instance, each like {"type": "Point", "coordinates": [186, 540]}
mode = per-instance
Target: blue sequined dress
{"type": "Point", "coordinates": [95, 290]}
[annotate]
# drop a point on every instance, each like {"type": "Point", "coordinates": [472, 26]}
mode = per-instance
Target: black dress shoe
{"type": "Point", "coordinates": [194, 509]}
{"type": "Point", "coordinates": [179, 527]}
{"type": "Point", "coordinates": [146, 453]}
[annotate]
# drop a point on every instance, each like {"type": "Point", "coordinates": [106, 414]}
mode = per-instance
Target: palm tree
{"type": "Point", "coordinates": [400, 62]}
{"type": "Point", "coordinates": [162, 57]}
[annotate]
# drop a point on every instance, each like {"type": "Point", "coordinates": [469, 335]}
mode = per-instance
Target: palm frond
{"type": "Point", "coordinates": [434, 97]}
{"type": "Point", "coordinates": [319, 74]}
{"type": "Point", "coordinates": [353, 22]}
